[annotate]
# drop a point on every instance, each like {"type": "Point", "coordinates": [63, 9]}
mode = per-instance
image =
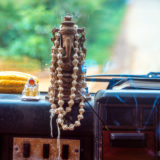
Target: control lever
{"type": "Point", "coordinates": [133, 140]}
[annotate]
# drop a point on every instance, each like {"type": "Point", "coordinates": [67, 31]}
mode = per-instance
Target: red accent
{"type": "Point", "coordinates": [31, 82]}
{"type": "Point", "coordinates": [115, 153]}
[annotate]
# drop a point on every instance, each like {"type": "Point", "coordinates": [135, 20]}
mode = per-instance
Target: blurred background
{"type": "Point", "coordinates": [123, 36]}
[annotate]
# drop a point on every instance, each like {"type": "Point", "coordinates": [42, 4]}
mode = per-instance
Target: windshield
{"type": "Point", "coordinates": [122, 36]}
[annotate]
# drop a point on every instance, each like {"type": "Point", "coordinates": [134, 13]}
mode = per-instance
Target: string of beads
{"type": "Point", "coordinates": [57, 82]}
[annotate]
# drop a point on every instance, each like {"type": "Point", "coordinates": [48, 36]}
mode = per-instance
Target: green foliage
{"type": "Point", "coordinates": [26, 26]}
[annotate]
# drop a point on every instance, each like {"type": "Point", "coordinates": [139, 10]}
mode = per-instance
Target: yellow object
{"type": "Point", "coordinates": [14, 82]}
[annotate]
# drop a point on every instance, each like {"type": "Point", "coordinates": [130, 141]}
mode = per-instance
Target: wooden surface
{"type": "Point", "coordinates": [36, 148]}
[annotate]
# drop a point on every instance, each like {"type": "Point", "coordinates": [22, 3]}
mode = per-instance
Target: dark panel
{"type": "Point", "coordinates": [120, 116]}
{"type": "Point", "coordinates": [147, 117]}
{"type": "Point", "coordinates": [129, 153]}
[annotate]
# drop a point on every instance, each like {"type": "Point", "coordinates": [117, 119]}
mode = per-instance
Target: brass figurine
{"type": "Point", "coordinates": [30, 91]}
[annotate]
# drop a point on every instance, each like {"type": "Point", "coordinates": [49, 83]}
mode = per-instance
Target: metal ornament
{"type": "Point", "coordinates": [30, 92]}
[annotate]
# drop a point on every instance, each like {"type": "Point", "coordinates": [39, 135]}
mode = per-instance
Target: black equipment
{"type": "Point", "coordinates": [27, 119]}
{"type": "Point", "coordinates": [121, 122]}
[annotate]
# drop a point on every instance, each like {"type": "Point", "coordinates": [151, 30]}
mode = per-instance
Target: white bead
{"type": "Point", "coordinates": [75, 56]}
{"type": "Point", "coordinates": [75, 62]}
{"type": "Point", "coordinates": [75, 69]}
{"type": "Point", "coordinates": [60, 50]}
{"type": "Point", "coordinates": [60, 95]}
{"type": "Point", "coordinates": [61, 102]}
{"type": "Point", "coordinates": [60, 109]}
{"type": "Point", "coordinates": [65, 127]}
{"type": "Point", "coordinates": [77, 36]}
{"type": "Point", "coordinates": [82, 104]}
{"type": "Point", "coordinates": [60, 82]}
{"type": "Point", "coordinates": [71, 127]}
{"type": "Point", "coordinates": [52, 54]}
{"type": "Point", "coordinates": [73, 89]}
{"type": "Point", "coordinates": [52, 87]}
{"type": "Point", "coordinates": [56, 43]}
{"type": "Point", "coordinates": [59, 69]}
{"type": "Point", "coordinates": [52, 80]}
{"type": "Point", "coordinates": [51, 93]}
{"type": "Point", "coordinates": [56, 111]}
{"type": "Point", "coordinates": [81, 110]}
{"type": "Point", "coordinates": [53, 106]}
{"type": "Point", "coordinates": [74, 82]}
{"type": "Point", "coordinates": [82, 54]}
{"type": "Point", "coordinates": [80, 117]}
{"type": "Point", "coordinates": [57, 35]}
{"type": "Point", "coordinates": [52, 74]}
{"type": "Point", "coordinates": [59, 56]}
{"type": "Point", "coordinates": [71, 102]}
{"type": "Point", "coordinates": [60, 89]}
{"type": "Point", "coordinates": [76, 50]}
{"type": "Point", "coordinates": [59, 62]}
{"type": "Point", "coordinates": [60, 116]}
{"type": "Point", "coordinates": [74, 76]}
{"type": "Point", "coordinates": [72, 96]}
{"type": "Point", "coordinates": [52, 61]}
{"type": "Point", "coordinates": [52, 68]}
{"type": "Point", "coordinates": [84, 84]}
{"type": "Point", "coordinates": [76, 43]}
{"type": "Point", "coordinates": [59, 75]}
{"type": "Point", "coordinates": [83, 90]}
{"type": "Point", "coordinates": [77, 123]}
{"type": "Point", "coordinates": [68, 109]}
{"type": "Point", "coordinates": [51, 100]}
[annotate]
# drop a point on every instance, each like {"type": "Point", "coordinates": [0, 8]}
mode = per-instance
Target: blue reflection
{"type": "Point", "coordinates": [153, 107]}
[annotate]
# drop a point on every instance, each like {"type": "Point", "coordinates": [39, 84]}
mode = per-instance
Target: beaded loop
{"type": "Point", "coordinates": [77, 123]}
{"type": "Point", "coordinates": [77, 36]}
{"type": "Point", "coordinates": [76, 50]}
{"type": "Point", "coordinates": [56, 43]}
{"type": "Point", "coordinates": [57, 36]}
{"type": "Point", "coordinates": [59, 56]}
{"type": "Point", "coordinates": [56, 75]}
{"type": "Point", "coordinates": [53, 106]}
{"type": "Point", "coordinates": [75, 56]}
{"type": "Point", "coordinates": [60, 50]}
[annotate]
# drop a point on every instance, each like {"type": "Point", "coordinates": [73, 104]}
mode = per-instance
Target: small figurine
{"type": "Point", "coordinates": [30, 91]}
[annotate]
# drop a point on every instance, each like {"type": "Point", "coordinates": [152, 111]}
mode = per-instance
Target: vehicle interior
{"type": "Point", "coordinates": [80, 80]}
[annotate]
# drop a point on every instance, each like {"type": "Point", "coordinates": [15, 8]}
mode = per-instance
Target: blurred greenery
{"type": "Point", "coordinates": [25, 26]}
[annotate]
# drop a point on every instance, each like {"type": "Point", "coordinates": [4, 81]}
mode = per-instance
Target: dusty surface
{"type": "Point", "coordinates": [138, 47]}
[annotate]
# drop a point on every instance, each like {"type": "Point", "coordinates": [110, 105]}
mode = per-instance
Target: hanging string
{"type": "Point", "coordinates": [52, 113]}
{"type": "Point", "coordinates": [58, 142]}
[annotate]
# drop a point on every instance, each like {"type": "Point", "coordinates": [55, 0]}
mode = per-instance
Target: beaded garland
{"type": "Point", "coordinates": [57, 80]}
